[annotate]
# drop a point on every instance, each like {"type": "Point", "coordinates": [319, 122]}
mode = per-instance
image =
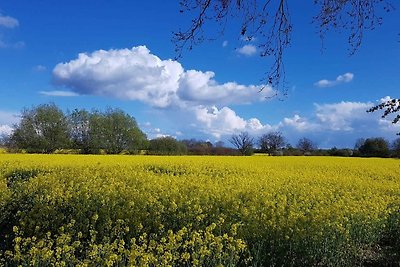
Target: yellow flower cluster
{"type": "Point", "coordinates": [77, 210]}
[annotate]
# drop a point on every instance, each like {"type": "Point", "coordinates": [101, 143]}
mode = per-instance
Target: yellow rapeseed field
{"type": "Point", "coordinates": [87, 210]}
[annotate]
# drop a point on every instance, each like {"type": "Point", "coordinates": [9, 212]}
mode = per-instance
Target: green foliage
{"type": "Point", "coordinates": [79, 126]}
{"type": "Point", "coordinates": [196, 147]}
{"type": "Point", "coordinates": [20, 175]}
{"type": "Point", "coordinates": [396, 148]}
{"type": "Point", "coordinates": [340, 152]}
{"type": "Point", "coordinates": [374, 147]}
{"type": "Point", "coordinates": [42, 129]}
{"type": "Point", "coordinates": [167, 146]}
{"type": "Point", "coordinates": [114, 131]}
{"type": "Point", "coordinates": [45, 129]}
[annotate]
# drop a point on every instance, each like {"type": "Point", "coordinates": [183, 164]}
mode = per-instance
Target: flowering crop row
{"type": "Point", "coordinates": [75, 210]}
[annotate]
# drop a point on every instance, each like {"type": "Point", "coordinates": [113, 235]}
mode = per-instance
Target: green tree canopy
{"type": "Point", "coordinates": [42, 129]}
{"type": "Point", "coordinates": [375, 147]}
{"type": "Point", "coordinates": [112, 130]}
{"type": "Point", "coordinates": [79, 127]}
{"type": "Point", "coordinates": [46, 128]}
{"type": "Point", "coordinates": [396, 147]}
{"type": "Point", "coordinates": [167, 146]}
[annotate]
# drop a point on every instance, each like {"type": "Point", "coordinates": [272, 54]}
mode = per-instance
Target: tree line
{"type": "Point", "coordinates": [47, 129]}
{"type": "Point", "coordinates": [275, 144]}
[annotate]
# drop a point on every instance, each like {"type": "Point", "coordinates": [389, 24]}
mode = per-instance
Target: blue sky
{"type": "Point", "coordinates": [98, 54]}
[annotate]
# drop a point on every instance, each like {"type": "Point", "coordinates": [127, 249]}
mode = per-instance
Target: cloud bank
{"type": "Point", "coordinates": [339, 124]}
{"type": "Point", "coordinates": [202, 105]}
{"type": "Point", "coordinates": [136, 74]}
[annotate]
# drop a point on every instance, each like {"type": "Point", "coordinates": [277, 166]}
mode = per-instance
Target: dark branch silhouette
{"type": "Point", "coordinates": [269, 21]}
{"type": "Point", "coordinates": [243, 142]}
{"type": "Point", "coordinates": [390, 107]}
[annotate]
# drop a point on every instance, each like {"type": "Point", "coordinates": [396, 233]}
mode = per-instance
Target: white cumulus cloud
{"type": "Point", "coordinates": [201, 87]}
{"type": "Point", "coordinates": [300, 124]}
{"type": "Point", "coordinates": [343, 116]}
{"type": "Point", "coordinates": [136, 74]}
{"type": "Point", "coordinates": [132, 74]}
{"type": "Point", "coordinates": [247, 50]}
{"type": "Point", "coordinates": [225, 121]}
{"type": "Point", "coordinates": [344, 78]}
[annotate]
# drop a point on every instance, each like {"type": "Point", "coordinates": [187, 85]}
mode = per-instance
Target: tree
{"type": "Point", "coordinates": [396, 147]}
{"type": "Point", "coordinates": [79, 127]}
{"type": "Point", "coordinates": [340, 152]}
{"type": "Point", "coordinates": [45, 128]}
{"type": "Point", "coordinates": [243, 142]}
{"type": "Point", "coordinates": [271, 142]}
{"type": "Point", "coordinates": [42, 129]}
{"type": "Point", "coordinates": [167, 146]}
{"type": "Point", "coordinates": [375, 147]}
{"type": "Point", "coordinates": [359, 143]}
{"type": "Point", "coordinates": [122, 132]}
{"type": "Point", "coordinates": [269, 22]}
{"type": "Point", "coordinates": [4, 140]}
{"type": "Point", "coordinates": [306, 145]}
{"type": "Point", "coordinates": [196, 147]}
{"type": "Point", "coordinates": [114, 131]}
{"type": "Point", "coordinates": [219, 144]}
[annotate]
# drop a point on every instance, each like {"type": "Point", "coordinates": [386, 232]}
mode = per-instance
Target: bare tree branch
{"type": "Point", "coordinates": [269, 21]}
{"type": "Point", "coordinates": [354, 16]}
{"type": "Point", "coordinates": [390, 107]}
{"type": "Point", "coordinates": [243, 142]}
